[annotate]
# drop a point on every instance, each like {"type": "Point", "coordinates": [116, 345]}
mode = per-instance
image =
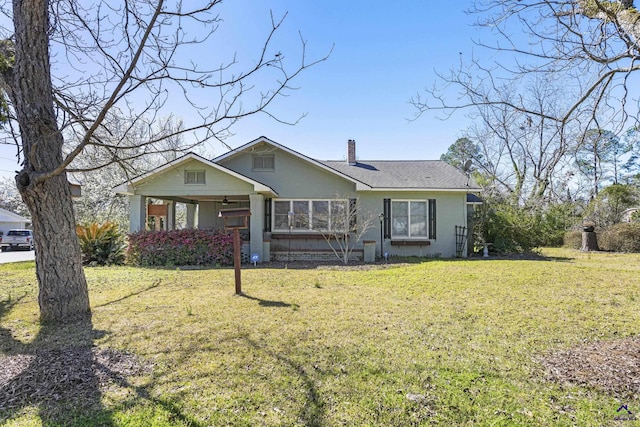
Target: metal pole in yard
{"type": "Point", "coordinates": [381, 217]}
{"type": "Point", "coordinates": [236, 259]}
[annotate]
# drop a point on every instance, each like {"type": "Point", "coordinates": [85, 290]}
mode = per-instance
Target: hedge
{"type": "Point", "coordinates": [572, 239]}
{"type": "Point", "coordinates": [622, 237]}
{"type": "Point", "coordinates": [180, 247]}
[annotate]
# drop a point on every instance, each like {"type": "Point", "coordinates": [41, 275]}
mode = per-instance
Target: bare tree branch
{"type": "Point", "coordinates": [585, 51]}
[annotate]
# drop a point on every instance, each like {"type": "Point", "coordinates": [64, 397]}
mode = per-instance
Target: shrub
{"type": "Point", "coordinates": [514, 229]}
{"type": "Point", "coordinates": [622, 237]}
{"type": "Point", "coordinates": [101, 244]}
{"type": "Point", "coordinates": [572, 239]}
{"type": "Point", "coordinates": [180, 247]}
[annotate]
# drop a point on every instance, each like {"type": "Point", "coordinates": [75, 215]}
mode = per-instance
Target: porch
{"type": "Point", "coordinates": [162, 212]}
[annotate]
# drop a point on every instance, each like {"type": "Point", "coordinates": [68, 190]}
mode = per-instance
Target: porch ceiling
{"type": "Point", "coordinates": [199, 198]}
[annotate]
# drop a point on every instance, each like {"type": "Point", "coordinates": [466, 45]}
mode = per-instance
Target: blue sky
{"type": "Point", "coordinates": [383, 54]}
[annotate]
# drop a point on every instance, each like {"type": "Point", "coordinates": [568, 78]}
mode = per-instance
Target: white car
{"type": "Point", "coordinates": [17, 238]}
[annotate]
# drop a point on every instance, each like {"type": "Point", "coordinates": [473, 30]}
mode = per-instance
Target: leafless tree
{"type": "Point", "coordinates": [10, 198]}
{"type": "Point", "coordinates": [66, 66]}
{"type": "Point", "coordinates": [98, 173]}
{"type": "Point", "coordinates": [342, 222]}
{"type": "Point", "coordinates": [520, 153]}
{"type": "Point", "coordinates": [581, 54]}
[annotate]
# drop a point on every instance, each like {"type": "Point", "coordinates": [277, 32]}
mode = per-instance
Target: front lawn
{"type": "Point", "coordinates": [442, 342]}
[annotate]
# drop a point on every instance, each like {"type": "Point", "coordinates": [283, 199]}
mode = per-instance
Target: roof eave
{"type": "Point", "coordinates": [423, 189]}
{"type": "Point", "coordinates": [128, 187]}
{"type": "Point", "coordinates": [360, 186]}
{"type": "Point", "coordinates": [123, 189]}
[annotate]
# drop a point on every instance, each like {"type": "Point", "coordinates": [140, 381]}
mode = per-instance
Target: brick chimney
{"type": "Point", "coordinates": [351, 152]}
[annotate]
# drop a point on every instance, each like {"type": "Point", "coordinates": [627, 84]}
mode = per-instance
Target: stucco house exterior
{"type": "Point", "coordinates": [416, 207]}
{"type": "Point", "coordinates": [627, 215]}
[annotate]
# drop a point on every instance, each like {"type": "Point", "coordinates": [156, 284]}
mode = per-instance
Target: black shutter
{"type": "Point", "coordinates": [267, 215]}
{"type": "Point", "coordinates": [386, 210]}
{"type": "Point", "coordinates": [432, 219]}
{"type": "Point", "coordinates": [353, 214]}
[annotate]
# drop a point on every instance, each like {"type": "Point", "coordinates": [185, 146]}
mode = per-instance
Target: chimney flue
{"type": "Point", "coordinates": [351, 152]}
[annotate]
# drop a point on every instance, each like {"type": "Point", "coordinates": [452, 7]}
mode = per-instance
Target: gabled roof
{"type": "Point", "coordinates": [380, 175]}
{"type": "Point", "coordinates": [8, 216]}
{"type": "Point", "coordinates": [409, 175]}
{"type": "Point", "coordinates": [322, 165]}
{"type": "Point", "coordinates": [258, 186]}
{"type": "Point", "coordinates": [374, 175]}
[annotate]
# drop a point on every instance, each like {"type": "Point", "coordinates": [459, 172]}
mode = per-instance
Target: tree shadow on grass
{"type": "Point", "coordinates": [55, 373]}
{"type": "Point", "coordinates": [141, 394]}
{"type": "Point", "coordinates": [267, 303]}
{"type": "Point", "coordinates": [313, 412]}
{"type": "Point", "coordinates": [154, 285]}
{"type": "Point", "coordinates": [63, 375]}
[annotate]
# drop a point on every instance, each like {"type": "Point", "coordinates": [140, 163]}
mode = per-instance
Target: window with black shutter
{"type": "Point", "coordinates": [432, 219]}
{"type": "Point", "coordinates": [386, 210]}
{"type": "Point", "coordinates": [267, 215]}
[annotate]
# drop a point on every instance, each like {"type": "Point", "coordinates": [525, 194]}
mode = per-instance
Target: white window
{"type": "Point", "coordinates": [263, 162]}
{"type": "Point", "coordinates": [409, 218]}
{"type": "Point", "coordinates": [311, 215]}
{"type": "Point", "coordinates": [194, 177]}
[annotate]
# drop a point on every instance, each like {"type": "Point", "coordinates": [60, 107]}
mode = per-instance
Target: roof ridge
{"type": "Point", "coordinates": [365, 160]}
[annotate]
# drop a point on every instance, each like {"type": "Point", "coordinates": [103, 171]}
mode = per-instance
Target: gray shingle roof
{"type": "Point", "coordinates": [405, 174]}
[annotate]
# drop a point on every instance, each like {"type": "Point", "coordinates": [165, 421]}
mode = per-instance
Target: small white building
{"type": "Point", "coordinates": [627, 215]}
{"type": "Point", "coordinates": [9, 220]}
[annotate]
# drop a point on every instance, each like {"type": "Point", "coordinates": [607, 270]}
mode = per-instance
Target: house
{"type": "Point", "coordinates": [9, 220]}
{"type": "Point", "coordinates": [629, 214]}
{"type": "Point", "coordinates": [413, 207]}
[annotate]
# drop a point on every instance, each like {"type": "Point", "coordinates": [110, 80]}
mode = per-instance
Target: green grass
{"type": "Point", "coordinates": [443, 342]}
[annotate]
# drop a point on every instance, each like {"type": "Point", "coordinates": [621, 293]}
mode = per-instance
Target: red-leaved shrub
{"type": "Point", "coordinates": [180, 247]}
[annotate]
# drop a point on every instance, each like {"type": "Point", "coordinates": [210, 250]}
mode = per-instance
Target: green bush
{"type": "Point", "coordinates": [101, 244]}
{"type": "Point", "coordinates": [514, 229]}
{"type": "Point", "coordinates": [180, 247]}
{"type": "Point", "coordinates": [622, 237]}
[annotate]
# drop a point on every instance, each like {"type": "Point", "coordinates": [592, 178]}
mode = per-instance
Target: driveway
{"type": "Point", "coordinates": [15, 256]}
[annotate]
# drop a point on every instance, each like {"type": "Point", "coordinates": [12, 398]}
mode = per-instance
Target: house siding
{"type": "Point", "coordinates": [446, 204]}
{"type": "Point", "coordinates": [296, 177]}
{"type": "Point", "coordinates": [171, 183]}
{"type": "Point", "coordinates": [293, 177]}
{"type": "Point", "coordinates": [6, 226]}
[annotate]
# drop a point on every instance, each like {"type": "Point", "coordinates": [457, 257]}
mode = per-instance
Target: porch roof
{"type": "Point", "coordinates": [129, 186]}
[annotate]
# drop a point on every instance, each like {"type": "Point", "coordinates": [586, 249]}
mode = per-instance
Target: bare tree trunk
{"type": "Point", "coordinates": [589, 241]}
{"type": "Point", "coordinates": [63, 288]}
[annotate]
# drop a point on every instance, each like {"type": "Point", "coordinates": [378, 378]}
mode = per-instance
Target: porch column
{"type": "Point", "coordinates": [137, 213]}
{"type": "Point", "coordinates": [256, 204]}
{"type": "Point", "coordinates": [191, 215]}
{"type": "Point", "coordinates": [171, 215]}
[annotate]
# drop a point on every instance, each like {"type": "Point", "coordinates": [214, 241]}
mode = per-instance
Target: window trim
{"type": "Point", "coordinates": [408, 236]}
{"type": "Point", "coordinates": [197, 172]}
{"type": "Point", "coordinates": [263, 156]}
{"type": "Point", "coordinates": [310, 228]}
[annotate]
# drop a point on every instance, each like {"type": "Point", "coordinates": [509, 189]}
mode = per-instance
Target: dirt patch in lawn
{"type": "Point", "coordinates": [53, 380]}
{"type": "Point", "coordinates": [611, 366]}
